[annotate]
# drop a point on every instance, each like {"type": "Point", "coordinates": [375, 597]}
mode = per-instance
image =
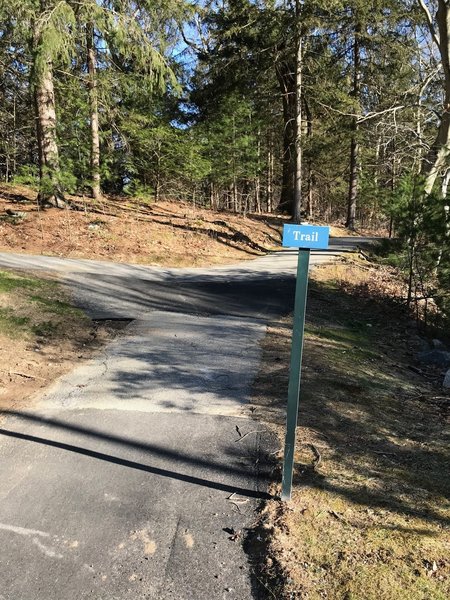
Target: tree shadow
{"type": "Point", "coordinates": [15, 197]}
{"type": "Point", "coordinates": [234, 240]}
{"type": "Point", "coordinates": [130, 296]}
{"type": "Point", "coordinates": [377, 424]}
{"type": "Point", "coordinates": [237, 463]}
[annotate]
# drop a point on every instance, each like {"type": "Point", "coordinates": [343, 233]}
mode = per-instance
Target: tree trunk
{"type": "Point", "coordinates": [50, 190]}
{"type": "Point", "coordinates": [258, 175]}
{"type": "Point", "coordinates": [286, 82]}
{"type": "Point", "coordinates": [354, 146]}
{"type": "Point", "coordinates": [435, 162]}
{"type": "Point", "coordinates": [297, 213]}
{"type": "Point", "coordinates": [393, 186]}
{"type": "Point", "coordinates": [353, 182]}
{"type": "Point", "coordinates": [269, 189]}
{"type": "Point", "coordinates": [234, 192]}
{"type": "Point", "coordinates": [212, 203]}
{"type": "Point", "coordinates": [93, 109]}
{"type": "Point", "coordinates": [310, 176]}
{"type": "Point", "coordinates": [258, 195]}
{"type": "Point", "coordinates": [157, 179]}
{"type": "Point", "coordinates": [14, 140]}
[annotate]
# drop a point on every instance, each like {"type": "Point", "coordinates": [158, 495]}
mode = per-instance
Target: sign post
{"type": "Point", "coordinates": [303, 237]}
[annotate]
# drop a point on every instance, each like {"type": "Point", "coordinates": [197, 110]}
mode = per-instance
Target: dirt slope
{"type": "Point", "coordinates": [128, 230]}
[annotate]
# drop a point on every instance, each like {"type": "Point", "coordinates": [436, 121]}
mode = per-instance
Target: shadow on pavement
{"type": "Point", "coordinates": [158, 451]}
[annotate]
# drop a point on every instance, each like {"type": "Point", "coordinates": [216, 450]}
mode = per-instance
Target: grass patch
{"type": "Point", "coordinates": [371, 520]}
{"type": "Point", "coordinates": [11, 281]}
{"type": "Point", "coordinates": [57, 307]}
{"type": "Point", "coordinates": [357, 335]}
{"type": "Point", "coordinates": [41, 337]}
{"type": "Point", "coordinates": [10, 324]}
{"type": "Point", "coordinates": [32, 307]}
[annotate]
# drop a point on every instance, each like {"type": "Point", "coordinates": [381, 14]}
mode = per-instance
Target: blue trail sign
{"type": "Point", "coordinates": [305, 238]}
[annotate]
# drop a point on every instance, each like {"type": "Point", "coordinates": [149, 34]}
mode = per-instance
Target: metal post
{"type": "Point", "coordinates": [301, 289]}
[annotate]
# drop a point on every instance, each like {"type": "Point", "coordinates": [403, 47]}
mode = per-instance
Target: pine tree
{"type": "Point", "coordinates": [51, 24]}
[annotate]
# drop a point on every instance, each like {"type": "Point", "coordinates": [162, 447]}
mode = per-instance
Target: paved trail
{"type": "Point", "coordinates": [117, 484]}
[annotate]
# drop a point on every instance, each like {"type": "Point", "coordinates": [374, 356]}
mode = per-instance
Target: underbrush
{"type": "Point", "coordinates": [425, 273]}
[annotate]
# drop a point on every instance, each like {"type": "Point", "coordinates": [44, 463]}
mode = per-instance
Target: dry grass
{"type": "Point", "coordinates": [372, 520]}
{"type": "Point", "coordinates": [122, 229]}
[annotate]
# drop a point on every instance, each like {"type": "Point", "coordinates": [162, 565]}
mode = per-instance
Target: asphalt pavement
{"type": "Point", "coordinates": [137, 475]}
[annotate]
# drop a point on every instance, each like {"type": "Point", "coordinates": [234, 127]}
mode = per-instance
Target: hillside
{"type": "Point", "coordinates": [130, 230]}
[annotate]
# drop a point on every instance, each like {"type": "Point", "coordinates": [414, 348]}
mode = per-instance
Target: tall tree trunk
{"type": "Point", "coordinates": [14, 140]}
{"type": "Point", "coordinates": [157, 178]}
{"type": "Point", "coordinates": [353, 181]}
{"type": "Point", "coordinates": [435, 162]}
{"type": "Point", "coordinates": [269, 188]}
{"type": "Point", "coordinates": [93, 109]}
{"type": "Point", "coordinates": [297, 213]}
{"type": "Point", "coordinates": [354, 146]}
{"type": "Point", "coordinates": [50, 190]}
{"type": "Point", "coordinates": [393, 187]}
{"type": "Point", "coordinates": [258, 175]}
{"type": "Point", "coordinates": [310, 176]}
{"type": "Point", "coordinates": [286, 80]}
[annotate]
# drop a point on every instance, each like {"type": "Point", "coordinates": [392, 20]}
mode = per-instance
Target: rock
{"type": "Point", "coordinates": [446, 384]}
{"type": "Point", "coordinates": [16, 214]}
{"type": "Point", "coordinates": [421, 344]}
{"type": "Point", "coordinates": [438, 358]}
{"type": "Point", "coordinates": [438, 345]}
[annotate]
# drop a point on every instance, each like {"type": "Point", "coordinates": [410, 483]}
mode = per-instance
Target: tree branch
{"type": "Point", "coordinates": [367, 117]}
{"type": "Point", "coordinates": [430, 23]}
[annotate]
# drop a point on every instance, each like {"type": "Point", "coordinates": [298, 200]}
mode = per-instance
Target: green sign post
{"type": "Point", "coordinates": [303, 237]}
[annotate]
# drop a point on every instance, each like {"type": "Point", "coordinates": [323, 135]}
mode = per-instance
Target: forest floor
{"type": "Point", "coordinates": [168, 234]}
{"type": "Point", "coordinates": [172, 234]}
{"type": "Point", "coordinates": [370, 514]}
